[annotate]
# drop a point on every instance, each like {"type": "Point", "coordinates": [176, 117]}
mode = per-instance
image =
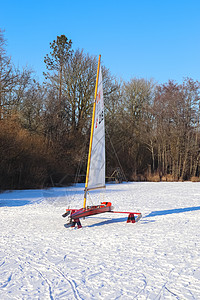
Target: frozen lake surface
{"type": "Point", "coordinates": [156, 258]}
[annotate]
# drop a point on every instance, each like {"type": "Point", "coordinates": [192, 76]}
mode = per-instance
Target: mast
{"type": "Point", "coordinates": [91, 135]}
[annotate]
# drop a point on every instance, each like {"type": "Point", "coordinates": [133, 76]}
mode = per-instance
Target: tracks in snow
{"type": "Point", "coordinates": [51, 281]}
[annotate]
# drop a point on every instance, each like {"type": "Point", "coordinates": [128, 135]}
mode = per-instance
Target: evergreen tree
{"type": "Point", "coordinates": [61, 52]}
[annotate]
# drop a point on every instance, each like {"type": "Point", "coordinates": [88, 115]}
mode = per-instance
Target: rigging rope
{"type": "Point", "coordinates": [116, 156]}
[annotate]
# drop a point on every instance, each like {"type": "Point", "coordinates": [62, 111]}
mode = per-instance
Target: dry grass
{"type": "Point", "coordinates": [168, 178]}
{"type": "Point", "coordinates": [138, 177]}
{"type": "Point", "coordinates": [153, 177]}
{"type": "Point", "coordinates": [195, 179]}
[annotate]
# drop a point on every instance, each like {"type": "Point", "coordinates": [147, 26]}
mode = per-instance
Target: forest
{"type": "Point", "coordinates": [152, 130]}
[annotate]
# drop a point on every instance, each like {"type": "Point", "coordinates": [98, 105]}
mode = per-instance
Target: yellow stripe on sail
{"type": "Point", "coordinates": [91, 134]}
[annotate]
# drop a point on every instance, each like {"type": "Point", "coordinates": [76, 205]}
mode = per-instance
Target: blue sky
{"type": "Point", "coordinates": [143, 39]}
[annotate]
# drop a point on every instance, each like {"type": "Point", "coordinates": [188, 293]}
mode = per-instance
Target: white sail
{"type": "Point", "coordinates": [97, 163]}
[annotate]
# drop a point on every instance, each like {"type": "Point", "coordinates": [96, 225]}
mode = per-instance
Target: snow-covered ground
{"type": "Point", "coordinates": [156, 258]}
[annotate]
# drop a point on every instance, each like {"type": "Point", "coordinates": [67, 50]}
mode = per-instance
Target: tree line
{"type": "Point", "coordinates": [152, 130]}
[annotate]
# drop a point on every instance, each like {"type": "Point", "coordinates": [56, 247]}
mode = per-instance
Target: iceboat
{"type": "Point", "coordinates": [95, 175]}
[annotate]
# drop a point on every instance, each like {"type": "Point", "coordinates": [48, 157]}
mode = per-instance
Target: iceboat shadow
{"type": "Point", "coordinates": [172, 211]}
{"type": "Point", "coordinates": [108, 221]}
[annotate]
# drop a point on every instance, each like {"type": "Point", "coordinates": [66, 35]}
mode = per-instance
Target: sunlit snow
{"type": "Point", "coordinates": [156, 258]}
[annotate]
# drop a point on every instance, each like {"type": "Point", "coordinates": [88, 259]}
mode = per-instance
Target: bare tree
{"type": "Point", "coordinates": [8, 78]}
{"type": "Point", "coordinates": [79, 83]}
{"type": "Point", "coordinates": [176, 113]}
{"type": "Point", "coordinates": [137, 95]}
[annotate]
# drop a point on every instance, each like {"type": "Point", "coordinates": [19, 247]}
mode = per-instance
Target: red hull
{"type": "Point", "coordinates": [76, 214]}
{"type": "Point", "coordinates": [92, 210]}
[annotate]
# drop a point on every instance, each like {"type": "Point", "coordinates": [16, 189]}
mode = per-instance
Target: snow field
{"type": "Point", "coordinates": [157, 258]}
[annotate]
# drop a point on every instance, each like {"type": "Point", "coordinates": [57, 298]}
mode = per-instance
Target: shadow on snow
{"type": "Point", "coordinates": [11, 203]}
{"type": "Point", "coordinates": [172, 211]}
{"type": "Point", "coordinates": [108, 221]}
